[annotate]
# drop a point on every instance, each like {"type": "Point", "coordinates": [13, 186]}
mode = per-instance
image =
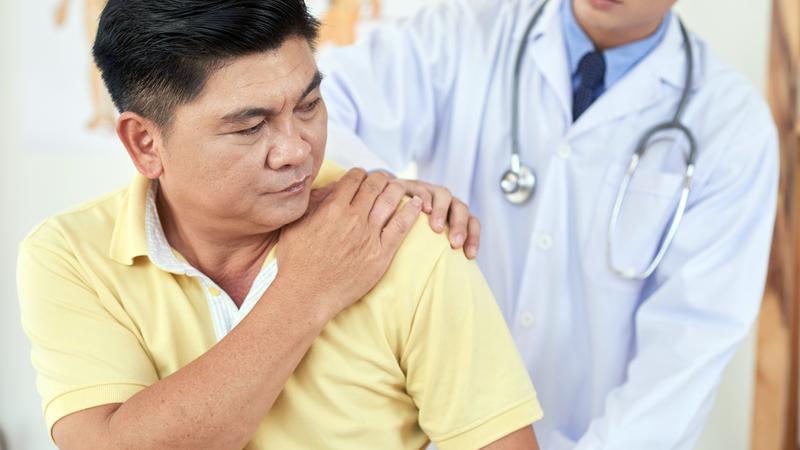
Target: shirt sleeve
{"type": "Point", "coordinates": [463, 369]}
{"type": "Point", "coordinates": [85, 353]}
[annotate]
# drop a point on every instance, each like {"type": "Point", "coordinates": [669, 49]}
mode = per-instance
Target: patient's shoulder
{"type": "Point", "coordinates": [418, 254]}
{"type": "Point", "coordinates": [413, 265]}
{"type": "Point", "coordinates": [89, 222]}
{"type": "Point", "coordinates": [420, 249]}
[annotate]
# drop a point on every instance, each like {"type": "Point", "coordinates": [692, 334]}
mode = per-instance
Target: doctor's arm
{"type": "Point", "coordinates": [385, 96]}
{"type": "Point", "coordinates": [703, 301]}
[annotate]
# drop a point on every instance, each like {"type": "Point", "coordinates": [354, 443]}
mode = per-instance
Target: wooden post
{"type": "Point", "coordinates": [775, 421]}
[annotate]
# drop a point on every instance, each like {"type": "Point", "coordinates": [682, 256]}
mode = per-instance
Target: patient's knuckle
{"type": "Point", "coordinates": [395, 187]}
{"type": "Point", "coordinates": [388, 201]}
{"type": "Point", "coordinates": [402, 224]}
{"type": "Point", "coordinates": [379, 177]}
{"type": "Point", "coordinates": [371, 187]}
{"type": "Point", "coordinates": [357, 172]}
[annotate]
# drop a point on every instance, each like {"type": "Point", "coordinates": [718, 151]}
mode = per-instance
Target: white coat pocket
{"type": "Point", "coordinates": [647, 210]}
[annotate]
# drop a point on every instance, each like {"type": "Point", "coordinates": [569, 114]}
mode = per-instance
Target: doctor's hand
{"type": "Point", "coordinates": [443, 208]}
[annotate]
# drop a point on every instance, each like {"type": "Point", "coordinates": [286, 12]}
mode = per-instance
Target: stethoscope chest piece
{"type": "Point", "coordinates": [518, 184]}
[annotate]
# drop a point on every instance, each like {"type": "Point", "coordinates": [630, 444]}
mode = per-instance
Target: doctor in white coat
{"type": "Point", "coordinates": [619, 363]}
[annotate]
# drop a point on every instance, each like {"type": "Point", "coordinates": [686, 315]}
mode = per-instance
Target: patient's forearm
{"type": "Point", "coordinates": [219, 399]}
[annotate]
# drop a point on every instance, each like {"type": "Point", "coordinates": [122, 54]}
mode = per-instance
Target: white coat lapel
{"type": "Point", "coordinates": [546, 50]}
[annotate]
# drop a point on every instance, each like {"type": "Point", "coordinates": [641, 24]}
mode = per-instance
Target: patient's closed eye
{"type": "Point", "coordinates": [252, 130]}
{"type": "Point", "coordinates": [310, 107]}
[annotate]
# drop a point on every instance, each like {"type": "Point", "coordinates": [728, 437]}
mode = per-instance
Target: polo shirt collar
{"type": "Point", "coordinates": [129, 239]}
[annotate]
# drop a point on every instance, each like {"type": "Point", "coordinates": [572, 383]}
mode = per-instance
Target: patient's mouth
{"type": "Point", "coordinates": [295, 188]}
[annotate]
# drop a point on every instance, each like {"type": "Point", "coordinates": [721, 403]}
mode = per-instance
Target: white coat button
{"type": "Point", "coordinates": [526, 319]}
{"type": "Point", "coordinates": [564, 151]}
{"type": "Point", "coordinates": [544, 242]}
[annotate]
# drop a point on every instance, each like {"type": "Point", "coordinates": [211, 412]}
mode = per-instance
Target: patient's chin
{"type": "Point", "coordinates": [291, 211]}
{"type": "Point", "coordinates": [296, 217]}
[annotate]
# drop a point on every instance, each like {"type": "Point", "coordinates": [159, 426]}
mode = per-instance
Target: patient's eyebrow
{"type": "Point", "coordinates": [247, 113]}
{"type": "Point", "coordinates": [315, 82]}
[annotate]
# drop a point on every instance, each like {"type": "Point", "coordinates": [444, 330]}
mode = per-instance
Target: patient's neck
{"type": "Point", "coordinates": [232, 262]}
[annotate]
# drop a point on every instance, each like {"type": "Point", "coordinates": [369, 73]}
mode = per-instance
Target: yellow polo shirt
{"type": "Point", "coordinates": [425, 355]}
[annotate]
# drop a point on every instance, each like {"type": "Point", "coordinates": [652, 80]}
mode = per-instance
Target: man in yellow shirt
{"type": "Point", "coordinates": [241, 292]}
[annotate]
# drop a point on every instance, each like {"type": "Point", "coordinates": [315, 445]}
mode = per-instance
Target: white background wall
{"type": "Point", "coordinates": [35, 183]}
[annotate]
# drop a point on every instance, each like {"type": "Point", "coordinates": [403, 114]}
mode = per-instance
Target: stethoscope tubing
{"type": "Point", "coordinates": [521, 193]}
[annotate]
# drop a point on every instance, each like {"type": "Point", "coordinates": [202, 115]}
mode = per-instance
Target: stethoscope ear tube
{"type": "Point", "coordinates": [519, 182]}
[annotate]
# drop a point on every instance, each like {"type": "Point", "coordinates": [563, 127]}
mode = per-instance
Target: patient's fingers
{"type": "Point", "coordinates": [386, 204]}
{"type": "Point", "coordinates": [398, 227]}
{"type": "Point", "coordinates": [347, 186]}
{"type": "Point", "coordinates": [369, 190]}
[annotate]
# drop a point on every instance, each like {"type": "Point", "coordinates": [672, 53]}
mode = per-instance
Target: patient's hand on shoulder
{"type": "Point", "coordinates": [445, 209]}
{"type": "Point", "coordinates": [346, 240]}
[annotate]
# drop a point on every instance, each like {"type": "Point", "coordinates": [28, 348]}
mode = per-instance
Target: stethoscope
{"type": "Point", "coordinates": [518, 182]}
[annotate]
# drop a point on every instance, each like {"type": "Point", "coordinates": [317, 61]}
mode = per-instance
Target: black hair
{"type": "Point", "coordinates": [157, 54]}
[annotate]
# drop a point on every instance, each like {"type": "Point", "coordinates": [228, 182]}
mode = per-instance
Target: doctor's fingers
{"type": "Point", "coordinates": [459, 223]}
{"type": "Point", "coordinates": [386, 204]}
{"type": "Point", "coordinates": [442, 199]}
{"type": "Point", "coordinates": [473, 238]}
{"type": "Point", "coordinates": [420, 189]}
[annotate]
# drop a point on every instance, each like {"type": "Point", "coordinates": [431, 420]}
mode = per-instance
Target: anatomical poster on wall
{"type": "Point", "coordinates": [64, 105]}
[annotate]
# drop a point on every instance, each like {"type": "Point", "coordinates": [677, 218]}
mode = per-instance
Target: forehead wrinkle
{"type": "Point", "coordinates": [278, 79]}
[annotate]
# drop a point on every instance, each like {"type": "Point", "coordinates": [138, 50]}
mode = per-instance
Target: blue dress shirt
{"type": "Point", "coordinates": [619, 60]}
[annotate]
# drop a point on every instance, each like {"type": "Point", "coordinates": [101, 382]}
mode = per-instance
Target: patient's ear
{"type": "Point", "coordinates": [140, 138]}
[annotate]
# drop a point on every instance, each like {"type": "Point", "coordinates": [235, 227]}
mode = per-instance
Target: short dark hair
{"type": "Point", "coordinates": [155, 55]}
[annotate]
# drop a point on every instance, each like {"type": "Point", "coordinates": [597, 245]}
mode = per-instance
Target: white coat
{"type": "Point", "coordinates": [618, 364]}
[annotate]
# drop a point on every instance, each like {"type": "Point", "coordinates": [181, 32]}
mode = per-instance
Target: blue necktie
{"type": "Point", "coordinates": [592, 69]}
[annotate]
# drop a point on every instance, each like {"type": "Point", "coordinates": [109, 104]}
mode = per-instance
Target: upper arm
{"type": "Point", "coordinates": [522, 439]}
{"type": "Point", "coordinates": [84, 354]}
{"type": "Point", "coordinates": [391, 87]}
{"type": "Point", "coordinates": [462, 367]}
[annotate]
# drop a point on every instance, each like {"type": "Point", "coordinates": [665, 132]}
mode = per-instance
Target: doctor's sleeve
{"type": "Point", "coordinates": [83, 352]}
{"type": "Point", "coordinates": [462, 367]}
{"type": "Point", "coordinates": [386, 93]}
{"type": "Point", "coordinates": [705, 298]}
